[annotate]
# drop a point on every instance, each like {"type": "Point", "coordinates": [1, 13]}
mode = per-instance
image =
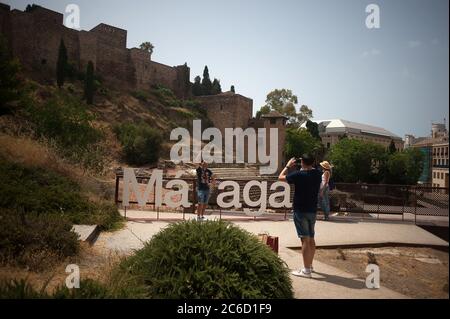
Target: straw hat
{"type": "Point", "coordinates": [326, 165]}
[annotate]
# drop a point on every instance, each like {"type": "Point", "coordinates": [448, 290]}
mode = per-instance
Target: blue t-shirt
{"type": "Point", "coordinates": [307, 185]}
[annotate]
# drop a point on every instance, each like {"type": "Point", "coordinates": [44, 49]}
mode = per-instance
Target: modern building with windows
{"type": "Point", "coordinates": [331, 131]}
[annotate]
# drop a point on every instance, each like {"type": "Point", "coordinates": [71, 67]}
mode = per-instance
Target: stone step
{"type": "Point", "coordinates": [87, 233]}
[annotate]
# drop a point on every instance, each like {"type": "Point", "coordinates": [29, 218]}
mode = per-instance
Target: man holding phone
{"type": "Point", "coordinates": [307, 182]}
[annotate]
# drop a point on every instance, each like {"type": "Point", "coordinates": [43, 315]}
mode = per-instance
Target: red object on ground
{"type": "Point", "coordinates": [270, 241]}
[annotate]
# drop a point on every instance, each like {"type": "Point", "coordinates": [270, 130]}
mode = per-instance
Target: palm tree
{"type": "Point", "coordinates": [147, 46]}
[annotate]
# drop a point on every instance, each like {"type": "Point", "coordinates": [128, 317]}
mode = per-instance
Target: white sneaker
{"type": "Point", "coordinates": [302, 273]}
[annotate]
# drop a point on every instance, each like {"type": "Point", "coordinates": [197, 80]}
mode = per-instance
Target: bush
{"type": "Point", "coordinates": [141, 95]}
{"type": "Point", "coordinates": [35, 240]}
{"type": "Point", "coordinates": [67, 123]}
{"type": "Point", "coordinates": [41, 191]}
{"type": "Point", "coordinates": [141, 143]}
{"type": "Point", "coordinates": [166, 96]}
{"type": "Point", "coordinates": [208, 260]}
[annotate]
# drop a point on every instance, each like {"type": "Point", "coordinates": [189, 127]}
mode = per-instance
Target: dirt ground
{"type": "Point", "coordinates": [92, 263]}
{"type": "Point", "coordinates": [414, 272]}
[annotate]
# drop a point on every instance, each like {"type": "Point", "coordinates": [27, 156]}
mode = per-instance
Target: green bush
{"type": "Point", "coordinates": [65, 121]}
{"type": "Point", "coordinates": [141, 95]}
{"type": "Point", "coordinates": [37, 190]}
{"type": "Point", "coordinates": [166, 96]}
{"type": "Point", "coordinates": [141, 143]}
{"type": "Point", "coordinates": [208, 260]}
{"type": "Point", "coordinates": [35, 240]}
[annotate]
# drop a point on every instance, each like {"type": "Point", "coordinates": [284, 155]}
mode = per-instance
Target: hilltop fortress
{"type": "Point", "coordinates": [34, 38]}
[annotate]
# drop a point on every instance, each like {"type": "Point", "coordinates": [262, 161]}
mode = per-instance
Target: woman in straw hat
{"type": "Point", "coordinates": [324, 199]}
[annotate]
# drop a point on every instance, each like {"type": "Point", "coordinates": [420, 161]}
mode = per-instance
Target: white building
{"type": "Point", "coordinates": [331, 131]}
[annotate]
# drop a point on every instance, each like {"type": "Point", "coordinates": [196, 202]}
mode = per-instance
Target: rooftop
{"type": "Point", "coordinates": [339, 125]}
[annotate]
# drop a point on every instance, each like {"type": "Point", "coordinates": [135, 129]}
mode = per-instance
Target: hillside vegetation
{"type": "Point", "coordinates": [59, 151]}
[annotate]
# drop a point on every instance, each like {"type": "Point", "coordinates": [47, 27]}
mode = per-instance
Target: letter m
{"type": "Point", "coordinates": [154, 183]}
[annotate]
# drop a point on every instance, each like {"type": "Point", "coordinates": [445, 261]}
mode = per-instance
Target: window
{"type": "Point", "coordinates": [328, 145]}
{"type": "Point", "coordinates": [273, 121]}
{"type": "Point", "coordinates": [442, 175]}
{"type": "Point", "coordinates": [434, 174]}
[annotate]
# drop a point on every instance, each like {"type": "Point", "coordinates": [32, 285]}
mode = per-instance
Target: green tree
{"type": "Point", "coordinates": [357, 161]}
{"type": "Point", "coordinates": [284, 102]}
{"type": "Point", "coordinates": [313, 129]}
{"type": "Point", "coordinates": [232, 89]}
{"type": "Point", "coordinates": [147, 46]}
{"type": "Point", "coordinates": [197, 89]}
{"type": "Point", "coordinates": [89, 87]}
{"type": "Point", "coordinates": [9, 80]}
{"type": "Point", "coordinates": [392, 148]}
{"type": "Point", "coordinates": [304, 114]}
{"type": "Point", "coordinates": [299, 142]}
{"type": "Point", "coordinates": [216, 88]}
{"type": "Point", "coordinates": [206, 82]}
{"type": "Point", "coordinates": [61, 65]}
{"type": "Point", "coordinates": [404, 167]}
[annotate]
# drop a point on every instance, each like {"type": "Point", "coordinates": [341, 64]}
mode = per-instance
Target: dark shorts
{"type": "Point", "coordinates": [203, 196]}
{"type": "Point", "coordinates": [304, 224]}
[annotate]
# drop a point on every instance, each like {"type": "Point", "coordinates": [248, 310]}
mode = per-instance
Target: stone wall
{"type": "Point", "coordinates": [227, 110]}
{"type": "Point", "coordinates": [35, 36]}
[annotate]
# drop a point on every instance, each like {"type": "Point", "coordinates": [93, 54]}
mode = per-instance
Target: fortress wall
{"type": "Point", "coordinates": [161, 74]}
{"type": "Point", "coordinates": [5, 27]}
{"type": "Point", "coordinates": [35, 37]}
{"type": "Point", "coordinates": [227, 110]}
{"type": "Point", "coordinates": [88, 49]}
{"type": "Point", "coordinates": [113, 36]}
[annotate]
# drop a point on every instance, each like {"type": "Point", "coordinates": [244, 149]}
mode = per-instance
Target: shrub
{"type": "Point", "coordinates": [41, 191]}
{"type": "Point", "coordinates": [141, 95]}
{"type": "Point", "coordinates": [166, 96]}
{"type": "Point", "coordinates": [67, 123]}
{"type": "Point", "coordinates": [141, 143]}
{"type": "Point", "coordinates": [35, 240]}
{"type": "Point", "coordinates": [208, 260]}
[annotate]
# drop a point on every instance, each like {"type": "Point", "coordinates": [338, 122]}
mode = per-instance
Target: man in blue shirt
{"type": "Point", "coordinates": [307, 182]}
{"type": "Point", "coordinates": [204, 179]}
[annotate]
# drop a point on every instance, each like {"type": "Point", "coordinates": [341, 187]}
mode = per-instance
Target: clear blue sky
{"type": "Point", "coordinates": [396, 77]}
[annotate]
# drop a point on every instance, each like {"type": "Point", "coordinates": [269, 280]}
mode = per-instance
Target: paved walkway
{"type": "Point", "coordinates": [328, 282]}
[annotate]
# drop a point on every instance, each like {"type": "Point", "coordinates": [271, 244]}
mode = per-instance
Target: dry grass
{"type": "Point", "coordinates": [34, 154]}
{"type": "Point", "coordinates": [92, 264]}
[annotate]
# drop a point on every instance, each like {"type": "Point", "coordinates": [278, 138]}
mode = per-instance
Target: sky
{"type": "Point", "coordinates": [395, 77]}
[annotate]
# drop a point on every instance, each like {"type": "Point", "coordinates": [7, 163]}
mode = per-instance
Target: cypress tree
{"type": "Point", "coordinates": [89, 83]}
{"type": "Point", "coordinates": [216, 88]}
{"type": "Point", "coordinates": [206, 82]}
{"type": "Point", "coordinates": [197, 87]}
{"type": "Point", "coordinates": [61, 65]}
